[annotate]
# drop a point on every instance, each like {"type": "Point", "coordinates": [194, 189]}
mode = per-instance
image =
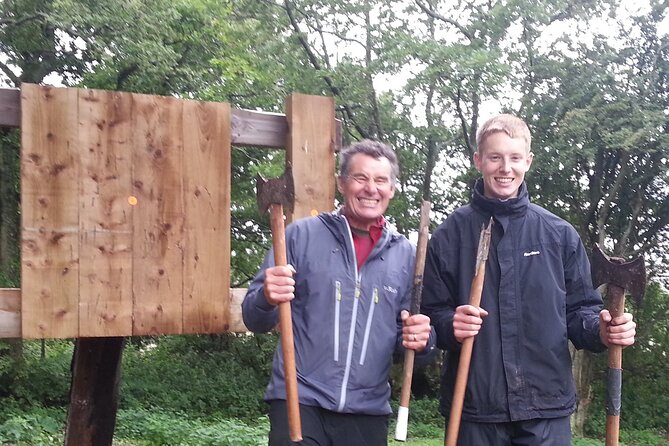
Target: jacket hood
{"type": "Point", "coordinates": [494, 206]}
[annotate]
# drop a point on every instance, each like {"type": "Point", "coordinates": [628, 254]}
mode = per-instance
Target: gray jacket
{"type": "Point", "coordinates": [346, 322]}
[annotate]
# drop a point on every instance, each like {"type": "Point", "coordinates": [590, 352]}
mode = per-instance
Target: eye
{"type": "Point", "coordinates": [362, 179]}
{"type": "Point", "coordinates": [382, 181]}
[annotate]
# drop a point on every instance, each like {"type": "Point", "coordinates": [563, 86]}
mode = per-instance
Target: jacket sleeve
{"type": "Point", "coordinates": [439, 288]}
{"type": "Point", "coordinates": [583, 302]}
{"type": "Point", "coordinates": [259, 315]}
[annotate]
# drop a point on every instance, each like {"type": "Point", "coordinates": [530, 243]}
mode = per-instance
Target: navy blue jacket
{"type": "Point", "coordinates": [539, 295]}
{"type": "Point", "coordinates": [346, 322]}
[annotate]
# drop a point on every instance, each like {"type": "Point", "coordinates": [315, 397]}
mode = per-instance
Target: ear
{"type": "Point", "coordinates": [477, 160]}
{"type": "Point", "coordinates": [530, 157]}
{"type": "Point", "coordinates": [340, 184]}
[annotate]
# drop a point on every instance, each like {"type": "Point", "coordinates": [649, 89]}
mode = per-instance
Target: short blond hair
{"type": "Point", "coordinates": [509, 124]}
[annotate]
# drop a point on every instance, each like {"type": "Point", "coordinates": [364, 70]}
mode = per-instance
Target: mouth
{"type": "Point", "coordinates": [367, 201]}
{"type": "Point", "coordinates": [504, 180]}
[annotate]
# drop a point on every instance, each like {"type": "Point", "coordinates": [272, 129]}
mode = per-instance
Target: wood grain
{"type": "Point", "coordinates": [310, 148]}
{"type": "Point", "coordinates": [158, 217]}
{"type": "Point", "coordinates": [49, 212]}
{"type": "Point", "coordinates": [206, 129]}
{"type": "Point", "coordinates": [105, 219]}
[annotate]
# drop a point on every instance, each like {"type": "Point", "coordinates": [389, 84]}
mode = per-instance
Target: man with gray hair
{"type": "Point", "coordinates": [349, 282]}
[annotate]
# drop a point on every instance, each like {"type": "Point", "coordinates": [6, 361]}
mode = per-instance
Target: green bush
{"type": "Point", "coordinates": [40, 426]}
{"type": "Point", "coordinates": [162, 428]}
{"type": "Point", "coordinates": [34, 380]}
{"type": "Point", "coordinates": [201, 375]}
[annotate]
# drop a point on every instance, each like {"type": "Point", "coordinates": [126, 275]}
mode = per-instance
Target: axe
{"type": "Point", "coordinates": [619, 276]}
{"type": "Point", "coordinates": [273, 194]}
{"type": "Point", "coordinates": [468, 343]}
{"type": "Point", "coordinates": [417, 292]}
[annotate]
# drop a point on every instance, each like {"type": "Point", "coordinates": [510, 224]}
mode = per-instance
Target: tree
{"type": "Point", "coordinates": [601, 147]}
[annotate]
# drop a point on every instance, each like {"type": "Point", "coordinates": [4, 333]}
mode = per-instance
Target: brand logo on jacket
{"type": "Point", "coordinates": [531, 253]}
{"type": "Point", "coordinates": [390, 289]}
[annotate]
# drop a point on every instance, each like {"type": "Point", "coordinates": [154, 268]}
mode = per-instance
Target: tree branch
{"type": "Point", "coordinates": [10, 74]}
{"type": "Point", "coordinates": [316, 64]}
{"type": "Point", "coordinates": [22, 20]}
{"type": "Point", "coordinates": [438, 16]}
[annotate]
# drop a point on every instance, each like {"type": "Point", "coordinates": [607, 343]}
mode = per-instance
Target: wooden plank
{"type": "Point", "coordinates": [10, 313]}
{"type": "Point", "coordinates": [249, 127]}
{"type": "Point", "coordinates": [10, 107]}
{"type": "Point", "coordinates": [310, 148]}
{"type": "Point", "coordinates": [158, 216]}
{"type": "Point", "coordinates": [206, 129]}
{"type": "Point", "coordinates": [105, 270]}
{"type": "Point", "coordinates": [49, 212]}
{"type": "Point", "coordinates": [260, 129]}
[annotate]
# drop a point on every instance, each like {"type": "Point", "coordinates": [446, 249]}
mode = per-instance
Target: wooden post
{"type": "Point", "coordinates": [310, 148]}
{"type": "Point", "coordinates": [96, 371]}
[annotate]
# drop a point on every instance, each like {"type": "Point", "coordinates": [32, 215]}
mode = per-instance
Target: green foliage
{"type": "Point", "coordinates": [164, 428]}
{"type": "Point", "coordinates": [201, 375]}
{"type": "Point", "coordinates": [36, 426]}
{"type": "Point", "coordinates": [33, 380]}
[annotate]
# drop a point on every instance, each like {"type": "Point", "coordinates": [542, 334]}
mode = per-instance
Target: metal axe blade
{"type": "Point", "coordinates": [280, 190]}
{"type": "Point", "coordinates": [630, 276]}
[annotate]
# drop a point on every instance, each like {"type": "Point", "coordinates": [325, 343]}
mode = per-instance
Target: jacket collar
{"type": "Point", "coordinates": [512, 207]}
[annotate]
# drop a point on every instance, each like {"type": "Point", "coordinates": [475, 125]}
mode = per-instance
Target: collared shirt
{"type": "Point", "coordinates": [364, 241]}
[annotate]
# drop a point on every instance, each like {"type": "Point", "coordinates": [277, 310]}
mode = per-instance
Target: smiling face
{"type": "Point", "coordinates": [367, 190]}
{"type": "Point", "coordinates": [503, 162]}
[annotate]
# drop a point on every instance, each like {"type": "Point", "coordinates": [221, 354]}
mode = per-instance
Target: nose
{"type": "Point", "coordinates": [506, 165]}
{"type": "Point", "coordinates": [370, 185]}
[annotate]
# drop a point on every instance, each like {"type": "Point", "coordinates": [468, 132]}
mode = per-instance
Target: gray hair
{"type": "Point", "coordinates": [375, 149]}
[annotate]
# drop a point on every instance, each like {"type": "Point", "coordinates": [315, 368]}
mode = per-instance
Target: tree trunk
{"type": "Point", "coordinates": [582, 367]}
{"type": "Point", "coordinates": [96, 372]}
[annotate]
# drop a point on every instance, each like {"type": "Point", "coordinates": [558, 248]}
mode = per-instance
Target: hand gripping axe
{"type": "Point", "coordinates": [619, 276]}
{"type": "Point", "coordinates": [274, 194]}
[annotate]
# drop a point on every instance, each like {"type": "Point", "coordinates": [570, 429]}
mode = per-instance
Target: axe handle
{"type": "Point", "coordinates": [409, 355]}
{"type": "Point", "coordinates": [616, 306]}
{"type": "Point", "coordinates": [286, 328]}
{"type": "Point", "coordinates": [463, 365]}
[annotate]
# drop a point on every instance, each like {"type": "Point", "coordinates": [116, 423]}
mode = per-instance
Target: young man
{"type": "Point", "coordinates": [538, 295]}
{"type": "Point", "coordinates": [349, 290]}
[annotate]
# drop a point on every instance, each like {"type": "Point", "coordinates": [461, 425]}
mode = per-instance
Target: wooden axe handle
{"type": "Point", "coordinates": [468, 343]}
{"type": "Point", "coordinates": [286, 328]}
{"type": "Point", "coordinates": [409, 355]}
{"type": "Point", "coordinates": [616, 306]}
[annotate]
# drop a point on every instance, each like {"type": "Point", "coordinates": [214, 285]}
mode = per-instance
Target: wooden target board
{"type": "Point", "coordinates": [125, 214]}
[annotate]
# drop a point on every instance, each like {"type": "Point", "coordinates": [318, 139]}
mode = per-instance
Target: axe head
{"type": "Point", "coordinates": [630, 276]}
{"type": "Point", "coordinates": [276, 191]}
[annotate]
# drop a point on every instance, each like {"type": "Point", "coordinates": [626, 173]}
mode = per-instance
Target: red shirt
{"type": "Point", "coordinates": [364, 241]}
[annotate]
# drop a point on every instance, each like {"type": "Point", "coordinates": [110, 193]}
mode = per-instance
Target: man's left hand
{"type": "Point", "coordinates": [415, 331]}
{"type": "Point", "coordinates": [618, 331]}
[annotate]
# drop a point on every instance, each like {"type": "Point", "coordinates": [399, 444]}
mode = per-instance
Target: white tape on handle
{"type": "Point", "coordinates": [402, 423]}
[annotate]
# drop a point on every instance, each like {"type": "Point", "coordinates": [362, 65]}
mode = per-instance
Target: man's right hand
{"type": "Point", "coordinates": [467, 321]}
{"type": "Point", "coordinates": [279, 285]}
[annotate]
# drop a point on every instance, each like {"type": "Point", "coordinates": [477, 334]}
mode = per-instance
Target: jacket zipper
{"type": "Point", "coordinates": [336, 323]}
{"type": "Point", "coordinates": [349, 350]}
{"type": "Point", "coordinates": [368, 326]}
